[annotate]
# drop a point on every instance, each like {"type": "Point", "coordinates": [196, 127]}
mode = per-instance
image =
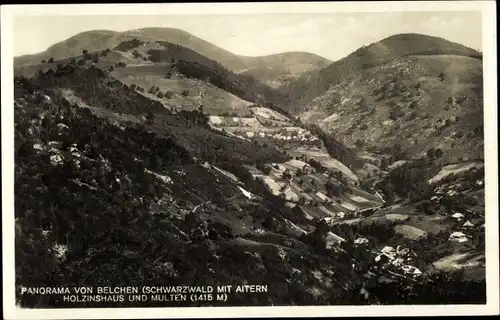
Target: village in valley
{"type": "Point", "coordinates": [324, 190]}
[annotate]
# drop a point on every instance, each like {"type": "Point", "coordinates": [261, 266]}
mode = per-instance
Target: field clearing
{"type": "Point", "coordinates": [235, 122]}
{"type": "Point", "coordinates": [275, 174]}
{"type": "Point", "coordinates": [241, 224]}
{"type": "Point", "coordinates": [273, 185]}
{"type": "Point", "coordinates": [274, 238]}
{"type": "Point", "coordinates": [455, 169]}
{"type": "Point", "coordinates": [254, 171]}
{"type": "Point", "coordinates": [326, 160]}
{"type": "Point", "coordinates": [397, 217]}
{"type": "Point", "coordinates": [326, 211]}
{"type": "Point", "coordinates": [226, 173]}
{"type": "Point", "coordinates": [295, 188]}
{"type": "Point", "coordinates": [273, 123]}
{"type": "Point", "coordinates": [349, 206]}
{"type": "Point", "coordinates": [334, 206]}
{"type": "Point", "coordinates": [215, 100]}
{"type": "Point", "coordinates": [365, 195]}
{"type": "Point", "coordinates": [306, 196]}
{"type": "Point", "coordinates": [349, 221]}
{"type": "Point", "coordinates": [294, 229]}
{"type": "Point", "coordinates": [369, 158]}
{"type": "Point", "coordinates": [269, 131]}
{"type": "Point", "coordinates": [297, 164]}
{"type": "Point", "coordinates": [430, 224]}
{"type": "Point", "coordinates": [477, 273]}
{"type": "Point", "coordinates": [399, 209]}
{"type": "Point", "coordinates": [460, 261]}
{"type": "Point", "coordinates": [397, 164]}
{"type": "Point", "coordinates": [246, 193]}
{"type": "Point", "coordinates": [268, 114]}
{"type": "Point", "coordinates": [357, 198]}
{"type": "Point", "coordinates": [410, 232]}
{"type": "Point", "coordinates": [314, 212]}
{"type": "Point", "coordinates": [252, 246]}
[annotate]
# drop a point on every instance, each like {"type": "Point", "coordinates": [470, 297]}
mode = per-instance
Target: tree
{"type": "Point", "coordinates": [51, 60]}
{"type": "Point", "coordinates": [438, 153]}
{"type": "Point", "coordinates": [431, 153]}
{"type": "Point", "coordinates": [85, 51]}
{"type": "Point", "coordinates": [44, 61]}
{"type": "Point", "coordinates": [397, 152]}
{"type": "Point", "coordinates": [441, 76]}
{"type": "Point", "coordinates": [185, 93]}
{"type": "Point", "coordinates": [150, 118]}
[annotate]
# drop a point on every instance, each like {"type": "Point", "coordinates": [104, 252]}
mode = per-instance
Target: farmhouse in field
{"type": "Point", "coordinates": [458, 237]}
{"type": "Point", "coordinates": [468, 224]}
{"type": "Point", "coordinates": [459, 216]}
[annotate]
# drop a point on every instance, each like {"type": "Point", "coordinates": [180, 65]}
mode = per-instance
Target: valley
{"type": "Point", "coordinates": [163, 161]}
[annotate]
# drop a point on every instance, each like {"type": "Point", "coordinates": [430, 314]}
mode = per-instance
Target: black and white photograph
{"type": "Point", "coordinates": [201, 157]}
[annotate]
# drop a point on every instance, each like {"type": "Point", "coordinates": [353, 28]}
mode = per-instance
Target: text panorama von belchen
{"type": "Point", "coordinates": [145, 293]}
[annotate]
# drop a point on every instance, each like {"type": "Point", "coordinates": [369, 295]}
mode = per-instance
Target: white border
{"type": "Point", "coordinates": [488, 11]}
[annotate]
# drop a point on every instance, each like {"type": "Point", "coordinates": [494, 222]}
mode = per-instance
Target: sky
{"type": "Point", "coordinates": [331, 35]}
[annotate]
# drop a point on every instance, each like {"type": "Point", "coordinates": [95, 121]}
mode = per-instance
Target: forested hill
{"type": "Point", "coordinates": [194, 65]}
{"type": "Point", "coordinates": [313, 84]}
{"type": "Point", "coordinates": [115, 183]}
{"type": "Point", "coordinates": [275, 68]}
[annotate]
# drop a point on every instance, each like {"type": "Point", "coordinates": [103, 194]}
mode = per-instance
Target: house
{"type": "Point", "coordinates": [468, 224]}
{"type": "Point", "coordinates": [328, 220]}
{"type": "Point", "coordinates": [403, 251]}
{"type": "Point", "coordinates": [340, 215]}
{"type": "Point", "coordinates": [388, 250]}
{"type": "Point", "coordinates": [62, 127]}
{"type": "Point", "coordinates": [458, 237]}
{"type": "Point", "coordinates": [56, 159]}
{"type": "Point", "coordinates": [360, 241]}
{"type": "Point", "coordinates": [458, 216]}
{"type": "Point", "coordinates": [411, 270]}
{"type": "Point", "coordinates": [382, 258]}
{"type": "Point", "coordinates": [397, 262]}
{"type": "Point", "coordinates": [439, 190]}
{"type": "Point", "coordinates": [291, 196]}
{"type": "Point", "coordinates": [364, 293]}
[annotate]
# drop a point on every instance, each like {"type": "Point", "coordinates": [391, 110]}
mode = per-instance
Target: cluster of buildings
{"type": "Point", "coordinates": [398, 258]}
{"type": "Point", "coordinates": [295, 136]}
{"type": "Point", "coordinates": [462, 221]}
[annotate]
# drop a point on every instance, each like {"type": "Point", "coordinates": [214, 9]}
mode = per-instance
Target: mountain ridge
{"type": "Point", "coordinates": [313, 84]}
{"type": "Point", "coordinates": [256, 196]}
{"type": "Point", "coordinates": [101, 39]}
